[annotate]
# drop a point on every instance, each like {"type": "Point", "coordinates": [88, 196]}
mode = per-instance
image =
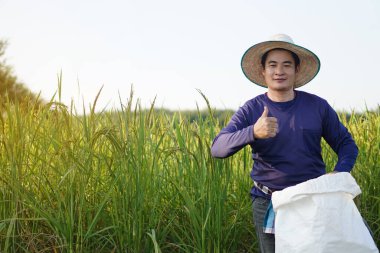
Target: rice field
{"type": "Point", "coordinates": [134, 180]}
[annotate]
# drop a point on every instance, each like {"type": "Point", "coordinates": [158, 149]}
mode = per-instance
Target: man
{"type": "Point", "coordinates": [284, 126]}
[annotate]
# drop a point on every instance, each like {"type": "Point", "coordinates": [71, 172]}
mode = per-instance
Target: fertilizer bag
{"type": "Point", "coordinates": [320, 216]}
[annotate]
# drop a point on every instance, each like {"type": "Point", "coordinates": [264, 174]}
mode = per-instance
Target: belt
{"type": "Point", "coordinates": [263, 188]}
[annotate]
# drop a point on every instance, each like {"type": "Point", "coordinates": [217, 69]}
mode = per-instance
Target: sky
{"type": "Point", "coordinates": [169, 49]}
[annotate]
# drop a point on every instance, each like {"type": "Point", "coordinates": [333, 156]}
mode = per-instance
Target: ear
{"type": "Point", "coordinates": [297, 68]}
{"type": "Point", "coordinates": [263, 71]}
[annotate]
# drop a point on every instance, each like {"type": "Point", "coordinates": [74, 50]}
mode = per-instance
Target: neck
{"type": "Point", "coordinates": [281, 96]}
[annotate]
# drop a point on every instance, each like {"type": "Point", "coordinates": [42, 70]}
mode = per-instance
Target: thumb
{"type": "Point", "coordinates": [265, 113]}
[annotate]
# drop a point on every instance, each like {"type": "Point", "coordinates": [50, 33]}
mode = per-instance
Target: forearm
{"type": "Point", "coordinates": [340, 140]}
{"type": "Point", "coordinates": [347, 155]}
{"type": "Point", "coordinates": [228, 143]}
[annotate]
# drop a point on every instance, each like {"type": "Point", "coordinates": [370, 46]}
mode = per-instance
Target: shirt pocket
{"type": "Point", "coordinates": [311, 140]}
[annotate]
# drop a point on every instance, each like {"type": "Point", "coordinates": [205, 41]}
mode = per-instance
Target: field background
{"type": "Point", "coordinates": [135, 180]}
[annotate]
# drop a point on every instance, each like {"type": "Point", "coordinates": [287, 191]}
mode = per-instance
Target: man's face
{"type": "Point", "coordinates": [280, 70]}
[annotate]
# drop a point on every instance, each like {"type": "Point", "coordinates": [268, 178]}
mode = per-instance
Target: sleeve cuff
{"type": "Point", "coordinates": [251, 138]}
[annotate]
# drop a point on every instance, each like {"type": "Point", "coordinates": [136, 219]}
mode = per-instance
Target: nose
{"type": "Point", "coordinates": [279, 70]}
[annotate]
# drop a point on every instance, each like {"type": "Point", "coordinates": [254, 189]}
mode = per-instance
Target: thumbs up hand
{"type": "Point", "coordinates": [265, 127]}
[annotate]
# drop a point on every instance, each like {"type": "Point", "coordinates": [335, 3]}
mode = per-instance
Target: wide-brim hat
{"type": "Point", "coordinates": [251, 61]}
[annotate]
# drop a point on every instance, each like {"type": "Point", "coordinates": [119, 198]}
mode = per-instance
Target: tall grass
{"type": "Point", "coordinates": [138, 181]}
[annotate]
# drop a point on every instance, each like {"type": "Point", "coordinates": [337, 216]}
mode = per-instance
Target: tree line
{"type": "Point", "coordinates": [11, 89]}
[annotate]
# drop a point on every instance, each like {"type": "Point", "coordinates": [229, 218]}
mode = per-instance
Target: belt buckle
{"type": "Point", "coordinates": [263, 188]}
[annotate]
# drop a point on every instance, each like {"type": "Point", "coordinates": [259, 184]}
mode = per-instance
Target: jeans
{"type": "Point", "coordinates": [266, 241]}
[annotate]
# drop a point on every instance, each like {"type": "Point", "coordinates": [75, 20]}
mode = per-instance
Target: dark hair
{"type": "Point", "coordinates": [294, 55]}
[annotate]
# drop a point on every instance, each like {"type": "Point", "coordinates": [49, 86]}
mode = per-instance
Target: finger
{"type": "Point", "coordinates": [269, 124]}
{"type": "Point", "coordinates": [273, 127]}
{"type": "Point", "coordinates": [265, 112]}
{"type": "Point", "coordinates": [272, 119]}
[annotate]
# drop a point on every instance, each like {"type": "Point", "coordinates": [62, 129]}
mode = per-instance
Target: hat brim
{"type": "Point", "coordinates": [252, 68]}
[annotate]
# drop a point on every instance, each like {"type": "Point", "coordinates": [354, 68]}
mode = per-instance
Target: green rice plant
{"type": "Point", "coordinates": [366, 132]}
{"type": "Point", "coordinates": [136, 180]}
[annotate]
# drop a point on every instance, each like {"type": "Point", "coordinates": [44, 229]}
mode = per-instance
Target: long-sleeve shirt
{"type": "Point", "coordinates": [294, 154]}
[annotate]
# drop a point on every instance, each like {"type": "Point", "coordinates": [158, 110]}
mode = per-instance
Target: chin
{"type": "Point", "coordinates": [282, 89]}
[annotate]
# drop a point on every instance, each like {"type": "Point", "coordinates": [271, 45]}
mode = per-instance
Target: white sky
{"type": "Point", "coordinates": [170, 48]}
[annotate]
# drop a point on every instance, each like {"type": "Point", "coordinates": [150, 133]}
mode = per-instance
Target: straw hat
{"type": "Point", "coordinates": [251, 61]}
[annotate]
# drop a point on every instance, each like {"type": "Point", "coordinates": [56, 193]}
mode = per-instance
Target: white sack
{"type": "Point", "coordinates": [320, 216]}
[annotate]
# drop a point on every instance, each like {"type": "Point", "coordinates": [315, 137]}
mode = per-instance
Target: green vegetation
{"type": "Point", "coordinates": [138, 181]}
{"type": "Point", "coordinates": [11, 90]}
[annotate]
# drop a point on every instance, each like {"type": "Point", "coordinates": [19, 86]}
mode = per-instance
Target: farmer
{"type": "Point", "coordinates": [283, 126]}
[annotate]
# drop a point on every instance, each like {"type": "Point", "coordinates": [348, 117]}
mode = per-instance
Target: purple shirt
{"type": "Point", "coordinates": [294, 154]}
